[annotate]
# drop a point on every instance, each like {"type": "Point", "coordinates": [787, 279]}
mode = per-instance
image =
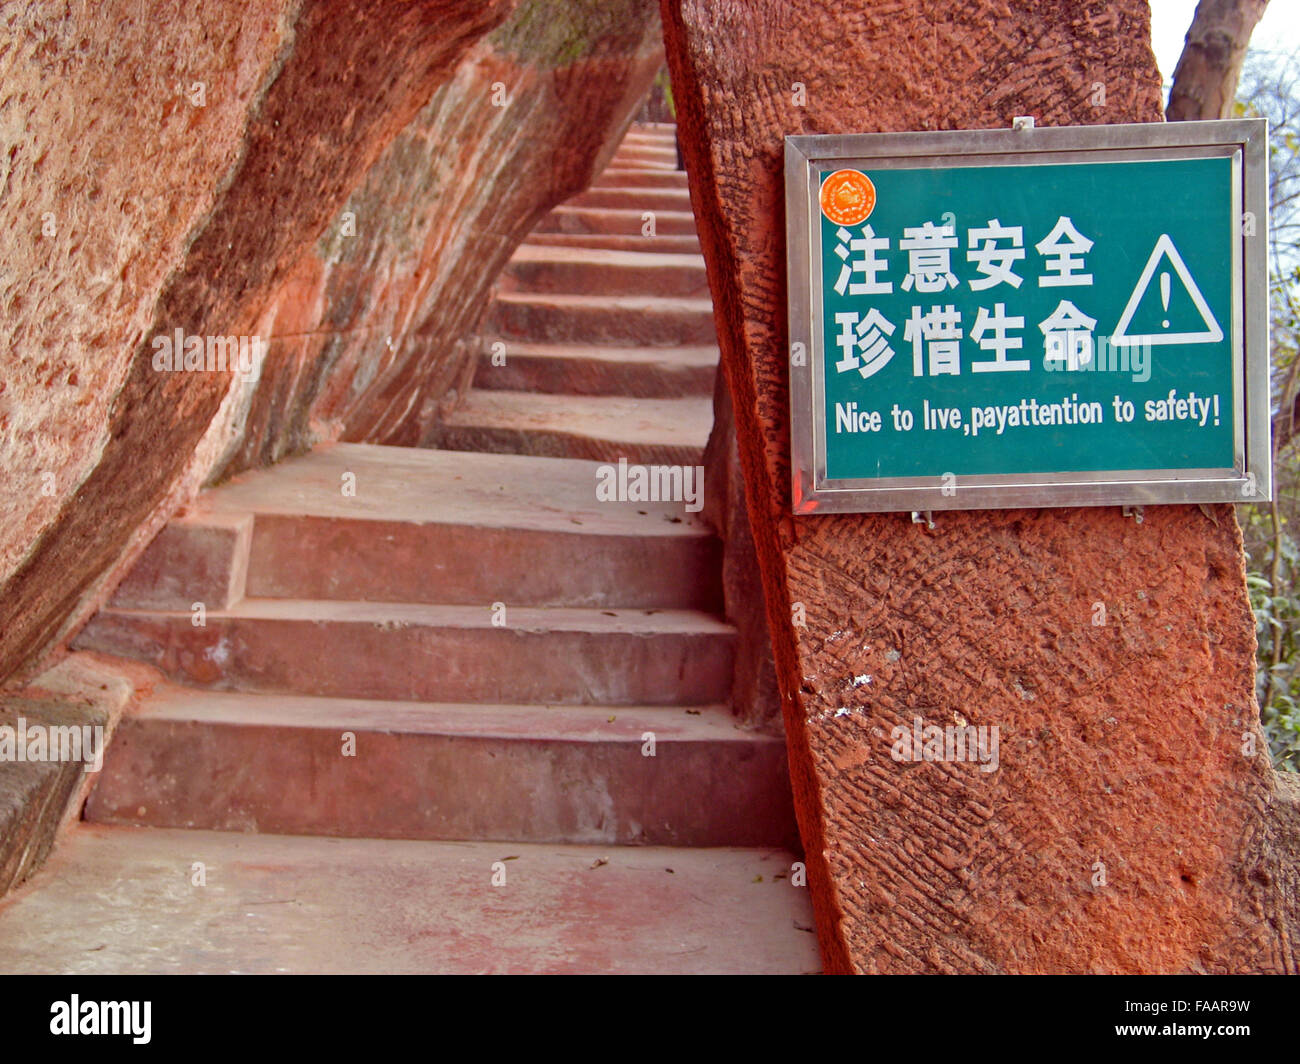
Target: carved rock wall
{"type": "Point", "coordinates": [187, 166]}
{"type": "Point", "coordinates": [1121, 745]}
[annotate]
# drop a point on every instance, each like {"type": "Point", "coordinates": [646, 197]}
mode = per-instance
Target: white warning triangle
{"type": "Point", "coordinates": [1213, 332]}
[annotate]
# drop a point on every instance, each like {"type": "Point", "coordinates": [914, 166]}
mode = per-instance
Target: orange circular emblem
{"type": "Point", "coordinates": [848, 197]}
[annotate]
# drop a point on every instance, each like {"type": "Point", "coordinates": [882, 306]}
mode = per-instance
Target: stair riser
{"type": "Point", "coordinates": [542, 444]}
{"type": "Point", "coordinates": [645, 155]}
{"type": "Point", "coordinates": [659, 141]}
{"type": "Point", "coordinates": [544, 322]}
{"type": "Point", "coordinates": [353, 659]}
{"type": "Point", "coordinates": [611, 242]}
{"type": "Point", "coordinates": [634, 199]}
{"type": "Point", "coordinates": [193, 559]}
{"type": "Point", "coordinates": [646, 159]}
{"type": "Point", "coordinates": [383, 561]}
{"type": "Point", "coordinates": [295, 781]}
{"type": "Point", "coordinates": [618, 222]}
{"type": "Point", "coordinates": [590, 278]}
{"type": "Point", "coordinates": [636, 177]}
{"type": "Point", "coordinates": [579, 376]}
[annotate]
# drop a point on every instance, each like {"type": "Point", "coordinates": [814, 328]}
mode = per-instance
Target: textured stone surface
{"type": "Point", "coordinates": [109, 170]}
{"type": "Point", "coordinates": [1120, 744]}
{"type": "Point", "coordinates": [197, 558]}
{"type": "Point", "coordinates": [274, 763]}
{"type": "Point", "coordinates": [373, 325]}
{"type": "Point", "coordinates": [538, 268]}
{"type": "Point", "coordinates": [616, 221]}
{"type": "Point", "coordinates": [617, 342]}
{"type": "Point", "coordinates": [39, 797]}
{"type": "Point", "coordinates": [229, 219]}
{"type": "Point", "coordinates": [589, 369]}
{"type": "Point", "coordinates": [754, 695]}
{"type": "Point", "coordinates": [430, 526]}
{"type": "Point", "coordinates": [640, 320]}
{"type": "Point", "coordinates": [392, 650]}
{"type": "Point", "coordinates": [178, 216]}
{"type": "Point", "coordinates": [274, 904]}
{"type": "Point", "coordinates": [599, 428]}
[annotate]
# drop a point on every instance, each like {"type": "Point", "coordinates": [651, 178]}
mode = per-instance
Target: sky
{"type": "Point", "coordinates": [1279, 28]}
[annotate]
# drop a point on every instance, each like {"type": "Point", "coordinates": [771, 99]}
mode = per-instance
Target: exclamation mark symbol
{"type": "Point", "coordinates": [1164, 295]}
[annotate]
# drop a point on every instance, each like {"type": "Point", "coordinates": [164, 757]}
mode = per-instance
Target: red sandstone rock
{"type": "Point", "coordinates": [269, 763]}
{"type": "Point", "coordinates": [374, 323]}
{"type": "Point", "coordinates": [1120, 744]}
{"type": "Point", "coordinates": [135, 210]}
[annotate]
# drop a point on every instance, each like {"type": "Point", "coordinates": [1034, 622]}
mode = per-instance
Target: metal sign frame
{"type": "Point", "coordinates": [807, 158]}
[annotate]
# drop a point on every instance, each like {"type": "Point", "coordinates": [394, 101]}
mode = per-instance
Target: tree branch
{"type": "Point", "coordinates": [1205, 81]}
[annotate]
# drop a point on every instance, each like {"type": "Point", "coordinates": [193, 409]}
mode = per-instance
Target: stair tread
{"type": "Point", "coordinates": [398, 906]}
{"type": "Point", "coordinates": [448, 487]}
{"type": "Point", "coordinates": [630, 303]}
{"type": "Point", "coordinates": [694, 355]}
{"type": "Point", "coordinates": [667, 164]}
{"type": "Point", "coordinates": [614, 173]}
{"type": "Point", "coordinates": [683, 421]}
{"type": "Point", "coordinates": [550, 253]}
{"type": "Point", "coordinates": [615, 241]}
{"type": "Point", "coordinates": [591, 723]}
{"type": "Point", "coordinates": [621, 213]}
{"type": "Point", "coordinates": [436, 615]}
{"type": "Point", "coordinates": [681, 194]}
{"type": "Point", "coordinates": [638, 198]}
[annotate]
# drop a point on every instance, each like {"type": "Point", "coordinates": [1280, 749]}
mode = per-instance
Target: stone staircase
{"type": "Point", "coordinates": [600, 349]}
{"type": "Point", "coordinates": [463, 656]}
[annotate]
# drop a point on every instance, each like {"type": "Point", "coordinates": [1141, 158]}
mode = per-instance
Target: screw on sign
{"type": "Point", "coordinates": [848, 197]}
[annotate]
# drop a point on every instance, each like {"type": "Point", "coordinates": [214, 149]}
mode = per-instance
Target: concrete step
{"type": "Point", "coordinates": [584, 369]}
{"type": "Point", "coordinates": [645, 155]}
{"type": "Point", "coordinates": [642, 321]}
{"type": "Point", "coordinates": [600, 428]}
{"type": "Point", "coordinates": [74, 706]}
{"type": "Point", "coordinates": [635, 199]}
{"type": "Point", "coordinates": [425, 653]}
{"type": "Point", "coordinates": [639, 177]}
{"type": "Point", "coordinates": [623, 221]}
{"type": "Point", "coordinates": [429, 526]}
{"type": "Point", "coordinates": [616, 242]}
{"type": "Point", "coordinates": [655, 136]}
{"type": "Point", "coordinates": [582, 774]}
{"type": "Point", "coordinates": [642, 138]}
{"type": "Point", "coordinates": [535, 268]}
{"type": "Point", "coordinates": [123, 901]}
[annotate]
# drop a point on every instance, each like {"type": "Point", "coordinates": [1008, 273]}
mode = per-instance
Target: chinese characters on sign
{"type": "Point", "coordinates": [935, 333]}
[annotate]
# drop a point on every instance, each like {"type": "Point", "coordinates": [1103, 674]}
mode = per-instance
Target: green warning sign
{"type": "Point", "coordinates": [1036, 317]}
